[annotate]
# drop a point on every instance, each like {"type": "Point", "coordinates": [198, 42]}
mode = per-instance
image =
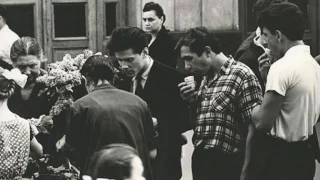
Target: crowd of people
{"type": "Point", "coordinates": [253, 116]}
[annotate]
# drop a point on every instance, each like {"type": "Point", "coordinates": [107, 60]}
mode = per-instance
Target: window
{"type": "Point", "coordinates": [21, 19]}
{"type": "Point", "coordinates": [111, 17]}
{"type": "Point", "coordinates": [70, 20]}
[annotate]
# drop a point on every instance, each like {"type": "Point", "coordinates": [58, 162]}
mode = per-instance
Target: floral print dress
{"type": "Point", "coordinates": [15, 137]}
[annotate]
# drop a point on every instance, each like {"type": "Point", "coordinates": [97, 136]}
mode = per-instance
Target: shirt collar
{"type": "Point", "coordinates": [225, 69]}
{"type": "Point", "coordinates": [145, 74]}
{"type": "Point", "coordinates": [297, 49]}
{"type": "Point", "coordinates": [103, 86]}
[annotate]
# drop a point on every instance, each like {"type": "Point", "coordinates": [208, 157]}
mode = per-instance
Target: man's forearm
{"type": "Point", "coordinates": [247, 156]}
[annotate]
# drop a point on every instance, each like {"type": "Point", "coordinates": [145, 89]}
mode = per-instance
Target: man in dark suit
{"type": "Point", "coordinates": [156, 84]}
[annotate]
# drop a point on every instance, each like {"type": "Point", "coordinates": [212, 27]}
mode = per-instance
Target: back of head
{"type": "Point", "coordinates": [112, 162]}
{"type": "Point", "coordinates": [262, 4]}
{"type": "Point", "coordinates": [7, 87]}
{"type": "Point", "coordinates": [123, 38]}
{"type": "Point", "coordinates": [285, 17]}
{"type": "Point", "coordinates": [26, 46]}
{"type": "Point", "coordinates": [3, 12]}
{"type": "Point", "coordinates": [152, 6]}
{"type": "Point", "coordinates": [98, 67]}
{"type": "Point", "coordinates": [197, 39]}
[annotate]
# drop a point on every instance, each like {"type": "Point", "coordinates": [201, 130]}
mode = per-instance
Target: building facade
{"type": "Point", "coordinates": [69, 26]}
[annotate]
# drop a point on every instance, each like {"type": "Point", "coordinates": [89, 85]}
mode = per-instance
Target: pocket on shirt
{"type": "Point", "coordinates": [220, 102]}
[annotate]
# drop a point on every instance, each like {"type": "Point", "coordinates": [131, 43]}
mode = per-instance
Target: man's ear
{"type": "Point", "coordinates": [162, 18]}
{"type": "Point", "coordinates": [279, 36]}
{"type": "Point", "coordinates": [145, 52]}
{"type": "Point", "coordinates": [2, 20]}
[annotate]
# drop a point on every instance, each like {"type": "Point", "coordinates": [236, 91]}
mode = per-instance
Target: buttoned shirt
{"type": "Point", "coordinates": [144, 77]}
{"type": "Point", "coordinates": [7, 38]}
{"type": "Point", "coordinates": [224, 105]}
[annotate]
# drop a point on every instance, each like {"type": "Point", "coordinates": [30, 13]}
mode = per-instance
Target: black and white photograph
{"type": "Point", "coordinates": [159, 89]}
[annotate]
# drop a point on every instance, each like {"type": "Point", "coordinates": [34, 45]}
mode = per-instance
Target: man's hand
{"type": "Point", "coordinates": [60, 144]}
{"type": "Point", "coordinates": [264, 65]}
{"type": "Point", "coordinates": [187, 92]}
{"type": "Point", "coordinates": [153, 153]}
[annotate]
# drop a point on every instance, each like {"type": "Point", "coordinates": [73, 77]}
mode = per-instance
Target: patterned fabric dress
{"type": "Point", "coordinates": [15, 147]}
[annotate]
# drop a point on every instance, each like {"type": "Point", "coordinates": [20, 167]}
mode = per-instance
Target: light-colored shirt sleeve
{"type": "Point", "coordinates": [278, 79]}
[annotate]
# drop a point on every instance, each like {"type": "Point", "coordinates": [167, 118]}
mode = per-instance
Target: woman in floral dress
{"type": "Point", "coordinates": [16, 138]}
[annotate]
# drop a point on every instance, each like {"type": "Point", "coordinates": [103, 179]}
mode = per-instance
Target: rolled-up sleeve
{"type": "Point", "coordinates": [251, 93]}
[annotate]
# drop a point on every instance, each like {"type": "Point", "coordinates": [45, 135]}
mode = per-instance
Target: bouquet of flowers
{"type": "Point", "coordinates": [62, 76]}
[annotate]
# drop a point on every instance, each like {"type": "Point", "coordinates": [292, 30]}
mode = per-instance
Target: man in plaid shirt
{"type": "Point", "coordinates": [224, 101]}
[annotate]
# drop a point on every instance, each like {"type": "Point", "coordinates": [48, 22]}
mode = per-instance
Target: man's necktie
{"type": "Point", "coordinates": [139, 87]}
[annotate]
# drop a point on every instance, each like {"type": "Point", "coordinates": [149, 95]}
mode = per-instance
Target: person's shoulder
{"type": "Point", "coordinates": [12, 35]}
{"type": "Point", "coordinates": [245, 45]}
{"type": "Point", "coordinates": [239, 66]}
{"type": "Point", "coordinates": [164, 35]}
{"type": "Point", "coordinates": [22, 121]}
{"type": "Point", "coordinates": [250, 55]}
{"type": "Point", "coordinates": [241, 69]}
{"type": "Point", "coordinates": [130, 98]}
{"type": "Point", "coordinates": [158, 66]}
{"type": "Point", "coordinates": [164, 72]}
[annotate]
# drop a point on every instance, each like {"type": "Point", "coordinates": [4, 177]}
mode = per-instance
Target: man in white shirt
{"type": "Point", "coordinates": [7, 38]}
{"type": "Point", "coordinates": [291, 104]}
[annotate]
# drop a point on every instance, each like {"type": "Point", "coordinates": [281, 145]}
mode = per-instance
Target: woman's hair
{"type": "Point", "coordinates": [7, 87]}
{"type": "Point", "coordinates": [152, 6]}
{"type": "Point", "coordinates": [112, 162]}
{"type": "Point", "coordinates": [26, 46]}
{"type": "Point", "coordinates": [98, 67]}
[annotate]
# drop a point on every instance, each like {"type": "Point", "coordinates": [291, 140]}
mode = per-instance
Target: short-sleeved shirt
{"type": "Point", "coordinates": [15, 136]}
{"type": "Point", "coordinates": [106, 116]}
{"type": "Point", "coordinates": [224, 107]}
{"type": "Point", "coordinates": [296, 76]}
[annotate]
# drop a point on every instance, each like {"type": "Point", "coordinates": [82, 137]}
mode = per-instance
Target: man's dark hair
{"type": "Point", "coordinates": [285, 17]}
{"type": "Point", "coordinates": [197, 39]}
{"type": "Point", "coordinates": [262, 4]}
{"type": "Point", "coordinates": [98, 67]}
{"type": "Point", "coordinates": [3, 12]}
{"type": "Point", "coordinates": [155, 7]}
{"type": "Point", "coordinates": [113, 161]}
{"type": "Point", "coordinates": [123, 38]}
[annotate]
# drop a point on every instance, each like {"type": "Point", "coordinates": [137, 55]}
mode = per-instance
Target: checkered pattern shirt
{"type": "Point", "coordinates": [224, 105]}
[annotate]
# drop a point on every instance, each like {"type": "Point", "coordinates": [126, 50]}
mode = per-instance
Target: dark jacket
{"type": "Point", "coordinates": [162, 48]}
{"type": "Point", "coordinates": [162, 95]}
{"type": "Point", "coordinates": [248, 53]}
{"type": "Point", "coordinates": [106, 116]}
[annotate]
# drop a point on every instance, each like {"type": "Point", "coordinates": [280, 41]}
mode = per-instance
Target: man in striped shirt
{"type": "Point", "coordinates": [223, 102]}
